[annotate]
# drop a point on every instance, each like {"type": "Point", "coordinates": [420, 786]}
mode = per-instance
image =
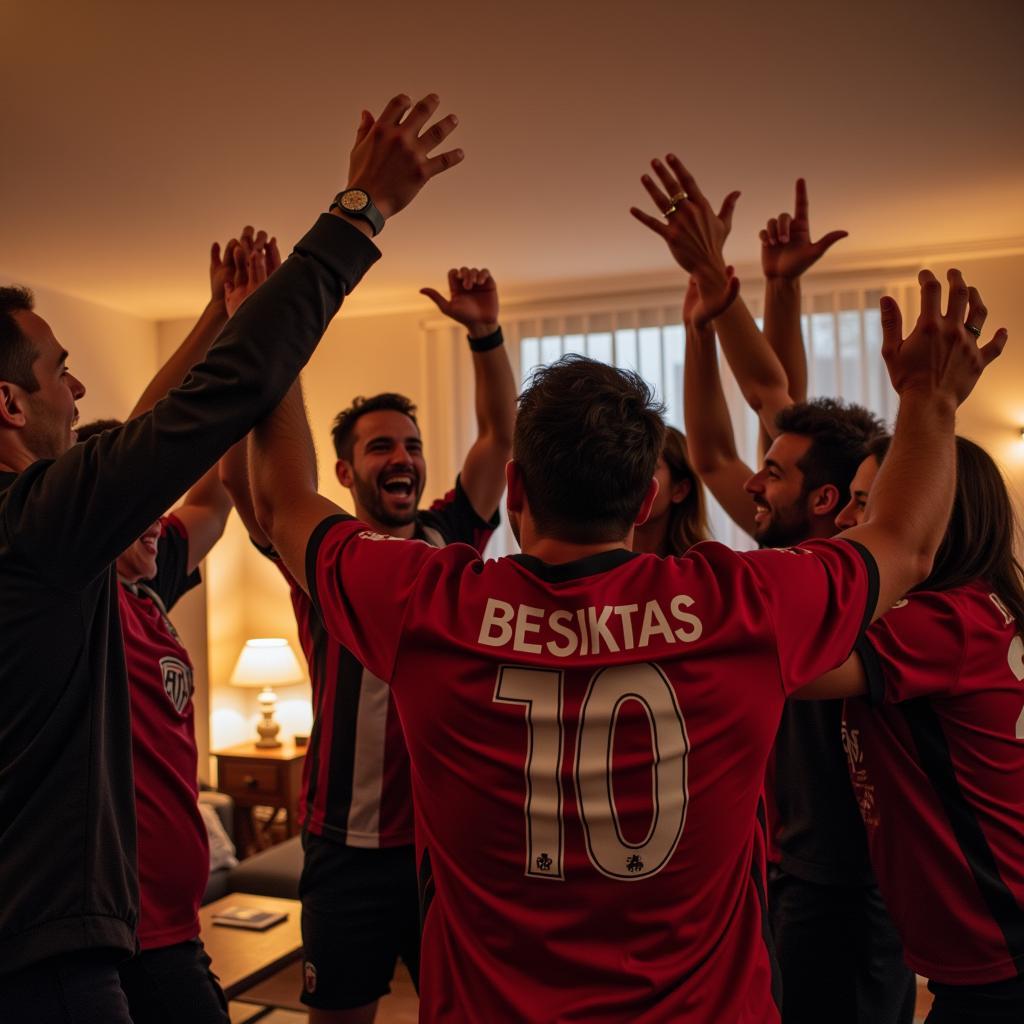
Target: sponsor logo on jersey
{"type": "Point", "coordinates": [177, 677]}
{"type": "Point", "coordinates": [309, 976]}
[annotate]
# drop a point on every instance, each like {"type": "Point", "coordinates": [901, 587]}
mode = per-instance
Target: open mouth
{"type": "Point", "coordinates": [400, 485]}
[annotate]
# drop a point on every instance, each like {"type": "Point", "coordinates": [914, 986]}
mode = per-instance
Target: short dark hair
{"type": "Point", "coordinates": [343, 428]}
{"type": "Point", "coordinates": [87, 430]}
{"type": "Point", "coordinates": [839, 433]}
{"type": "Point", "coordinates": [17, 353]}
{"type": "Point", "coordinates": [587, 442]}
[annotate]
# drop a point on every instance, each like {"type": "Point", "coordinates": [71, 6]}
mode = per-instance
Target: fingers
{"type": "Point", "coordinates": [994, 348]}
{"type": "Point", "coordinates": [437, 164]}
{"type": "Point", "coordinates": [215, 255]}
{"type": "Point", "coordinates": [437, 133]}
{"type": "Point", "coordinates": [956, 303]}
{"type": "Point", "coordinates": [800, 208]}
{"type": "Point", "coordinates": [396, 108]}
{"type": "Point", "coordinates": [773, 231]}
{"type": "Point", "coordinates": [659, 227]}
{"type": "Point", "coordinates": [273, 256]}
{"type": "Point", "coordinates": [672, 186]}
{"type": "Point", "coordinates": [728, 207]}
{"type": "Point", "coordinates": [421, 113]}
{"type": "Point", "coordinates": [661, 201]}
{"type": "Point", "coordinates": [823, 244]}
{"type": "Point", "coordinates": [764, 236]}
{"type": "Point", "coordinates": [977, 312]}
{"type": "Point", "coordinates": [437, 298]}
{"type": "Point", "coordinates": [784, 222]}
{"type": "Point", "coordinates": [365, 124]}
{"type": "Point", "coordinates": [686, 179]}
{"type": "Point", "coordinates": [931, 295]}
{"type": "Point", "coordinates": [257, 268]}
{"type": "Point", "coordinates": [892, 327]}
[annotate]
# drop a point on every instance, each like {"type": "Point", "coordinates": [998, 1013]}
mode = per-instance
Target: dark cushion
{"type": "Point", "coordinates": [271, 872]}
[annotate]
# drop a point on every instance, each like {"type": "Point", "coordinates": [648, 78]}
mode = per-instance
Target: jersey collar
{"type": "Point", "coordinates": [562, 572]}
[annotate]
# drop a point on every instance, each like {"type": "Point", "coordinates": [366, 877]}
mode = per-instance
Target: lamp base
{"type": "Point", "coordinates": [268, 728]}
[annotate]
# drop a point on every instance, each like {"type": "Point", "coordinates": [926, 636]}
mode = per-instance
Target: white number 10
{"type": "Point", "coordinates": [541, 692]}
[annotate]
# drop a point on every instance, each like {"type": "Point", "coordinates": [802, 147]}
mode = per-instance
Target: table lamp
{"type": "Point", "coordinates": [266, 663]}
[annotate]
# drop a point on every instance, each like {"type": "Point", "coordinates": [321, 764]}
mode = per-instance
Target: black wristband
{"type": "Point", "coordinates": [486, 343]}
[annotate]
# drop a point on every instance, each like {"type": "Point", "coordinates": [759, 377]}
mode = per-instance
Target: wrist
{"type": "Point", "coordinates": [933, 402]}
{"type": "Point", "coordinates": [481, 328]}
{"type": "Point", "coordinates": [357, 222]}
{"type": "Point", "coordinates": [712, 276]}
{"type": "Point", "coordinates": [782, 284]}
{"type": "Point", "coordinates": [486, 342]}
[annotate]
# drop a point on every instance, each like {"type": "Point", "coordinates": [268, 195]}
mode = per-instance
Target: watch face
{"type": "Point", "coordinates": [355, 200]}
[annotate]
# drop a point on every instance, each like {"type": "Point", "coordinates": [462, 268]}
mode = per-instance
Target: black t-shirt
{"type": "Point", "coordinates": [67, 818]}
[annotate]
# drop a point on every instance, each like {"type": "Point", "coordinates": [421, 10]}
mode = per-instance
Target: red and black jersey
{"type": "Point", "coordinates": [936, 755]}
{"type": "Point", "coordinates": [355, 780]}
{"type": "Point", "coordinates": [174, 859]}
{"type": "Point", "coordinates": [588, 743]}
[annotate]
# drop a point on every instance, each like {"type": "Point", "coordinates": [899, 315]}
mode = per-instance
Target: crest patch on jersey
{"type": "Point", "coordinates": [177, 677]}
{"type": "Point", "coordinates": [309, 977]}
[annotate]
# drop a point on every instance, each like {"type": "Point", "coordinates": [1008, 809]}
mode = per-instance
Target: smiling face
{"type": "Point", "coordinates": [780, 509]}
{"type": "Point", "coordinates": [387, 473]}
{"type": "Point", "coordinates": [138, 562]}
{"type": "Point", "coordinates": [50, 411]}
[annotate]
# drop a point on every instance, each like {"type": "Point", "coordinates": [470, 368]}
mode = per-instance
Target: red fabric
{"type": "Point", "coordinates": [611, 915]}
{"type": "Point", "coordinates": [173, 850]}
{"type": "Point", "coordinates": [957, 663]}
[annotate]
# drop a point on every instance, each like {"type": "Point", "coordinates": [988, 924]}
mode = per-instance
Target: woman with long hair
{"type": "Point", "coordinates": [936, 751]}
{"type": "Point", "coordinates": [678, 519]}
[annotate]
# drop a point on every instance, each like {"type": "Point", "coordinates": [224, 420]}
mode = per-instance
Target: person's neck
{"type": "Point", "coordinates": [404, 532]}
{"type": "Point", "coordinates": [16, 458]}
{"type": "Point", "coordinates": [557, 552]}
{"type": "Point", "coordinates": [649, 539]}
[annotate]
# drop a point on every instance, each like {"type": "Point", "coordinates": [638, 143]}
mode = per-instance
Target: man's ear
{"type": "Point", "coordinates": [343, 471]}
{"type": "Point", "coordinates": [648, 503]}
{"type": "Point", "coordinates": [824, 501]}
{"type": "Point", "coordinates": [514, 480]}
{"type": "Point", "coordinates": [12, 413]}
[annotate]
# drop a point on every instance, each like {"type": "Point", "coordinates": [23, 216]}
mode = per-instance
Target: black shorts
{"type": "Point", "coordinates": [360, 913]}
{"type": "Point", "coordinates": [173, 983]}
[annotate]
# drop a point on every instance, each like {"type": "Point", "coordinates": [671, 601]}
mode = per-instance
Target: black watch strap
{"type": "Point", "coordinates": [355, 202]}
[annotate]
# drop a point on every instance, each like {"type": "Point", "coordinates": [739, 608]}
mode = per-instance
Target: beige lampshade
{"type": "Point", "coordinates": [267, 662]}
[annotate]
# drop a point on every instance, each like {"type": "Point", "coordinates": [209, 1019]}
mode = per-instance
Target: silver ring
{"type": "Point", "coordinates": [976, 331]}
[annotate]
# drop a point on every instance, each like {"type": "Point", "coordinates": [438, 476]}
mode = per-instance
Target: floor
{"type": "Point", "coordinates": [400, 1007]}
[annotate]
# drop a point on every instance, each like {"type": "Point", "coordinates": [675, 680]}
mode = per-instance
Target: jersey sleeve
{"type": "Point", "coordinates": [172, 578]}
{"type": "Point", "coordinates": [69, 518]}
{"type": "Point", "coordinates": [455, 519]}
{"type": "Point", "coordinates": [362, 584]}
{"type": "Point", "coordinates": [820, 597]}
{"type": "Point", "coordinates": [915, 649]}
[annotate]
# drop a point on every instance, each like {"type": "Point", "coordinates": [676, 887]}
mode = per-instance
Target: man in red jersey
{"type": "Point", "coordinates": [588, 727]}
{"type": "Point", "coordinates": [360, 905]}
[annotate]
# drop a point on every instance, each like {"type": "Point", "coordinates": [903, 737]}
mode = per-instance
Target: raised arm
{"type": "Point", "coordinates": [282, 462]}
{"type": "Point", "coordinates": [787, 253]}
{"type": "Point", "coordinates": [709, 432]}
{"type": "Point", "coordinates": [99, 496]}
{"type": "Point", "coordinates": [473, 302]}
{"type": "Point", "coordinates": [695, 236]}
{"type": "Point", "coordinates": [933, 370]}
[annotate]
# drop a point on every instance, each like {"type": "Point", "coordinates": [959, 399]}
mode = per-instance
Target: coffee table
{"type": "Point", "coordinates": [241, 958]}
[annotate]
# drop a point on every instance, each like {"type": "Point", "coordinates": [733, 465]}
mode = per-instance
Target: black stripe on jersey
{"type": "Point", "coordinates": [565, 571]}
{"type": "Point", "coordinates": [313, 548]}
{"type": "Point", "coordinates": [873, 671]}
{"type": "Point", "coordinates": [873, 584]}
{"type": "Point", "coordinates": [316, 638]}
{"type": "Point", "coordinates": [348, 686]}
{"type": "Point", "coordinates": [426, 887]}
{"type": "Point", "coordinates": [766, 927]}
{"type": "Point", "coordinates": [934, 757]}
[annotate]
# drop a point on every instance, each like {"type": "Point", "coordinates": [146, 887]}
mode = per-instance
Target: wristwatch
{"type": "Point", "coordinates": [357, 203]}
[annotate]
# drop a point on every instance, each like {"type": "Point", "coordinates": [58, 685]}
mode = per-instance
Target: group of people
{"type": "Point", "coordinates": [626, 775]}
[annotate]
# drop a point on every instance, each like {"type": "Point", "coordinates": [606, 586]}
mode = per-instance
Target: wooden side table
{"type": "Point", "coordinates": [258, 777]}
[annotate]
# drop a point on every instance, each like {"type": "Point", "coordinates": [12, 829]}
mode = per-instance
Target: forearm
{"type": "Point", "coordinates": [191, 351]}
{"type": "Point", "coordinates": [494, 395]}
{"type": "Point", "coordinates": [782, 310]}
{"type": "Point", "coordinates": [234, 475]}
{"type": "Point", "coordinates": [912, 496]}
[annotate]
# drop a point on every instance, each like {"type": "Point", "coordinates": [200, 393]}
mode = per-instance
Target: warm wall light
{"type": "Point", "coordinates": [266, 663]}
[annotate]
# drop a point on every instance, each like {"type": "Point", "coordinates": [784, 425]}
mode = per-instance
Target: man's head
{"type": "Point", "coordinates": [380, 458]}
{"type": "Point", "coordinates": [37, 392]}
{"type": "Point", "coordinates": [805, 479]}
{"type": "Point", "coordinates": [586, 444]}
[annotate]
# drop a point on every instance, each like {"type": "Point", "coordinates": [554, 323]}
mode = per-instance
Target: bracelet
{"type": "Point", "coordinates": [486, 343]}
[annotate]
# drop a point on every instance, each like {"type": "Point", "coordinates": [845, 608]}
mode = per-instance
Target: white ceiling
{"type": "Point", "coordinates": [135, 133]}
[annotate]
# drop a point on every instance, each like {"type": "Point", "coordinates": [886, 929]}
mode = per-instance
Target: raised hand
{"type": "Point", "coordinates": [786, 246]}
{"type": "Point", "coordinates": [694, 233]}
{"type": "Point", "coordinates": [255, 259]}
{"type": "Point", "coordinates": [222, 268]}
{"type": "Point", "coordinates": [702, 305]}
{"type": "Point", "coordinates": [473, 302]}
{"type": "Point", "coordinates": [941, 355]}
{"type": "Point", "coordinates": [391, 158]}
